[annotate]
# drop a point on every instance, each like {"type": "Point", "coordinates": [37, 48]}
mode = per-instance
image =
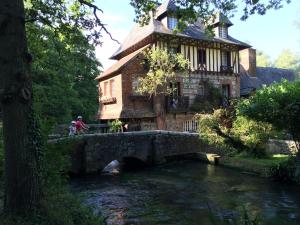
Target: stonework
{"type": "Point", "coordinates": [93, 152]}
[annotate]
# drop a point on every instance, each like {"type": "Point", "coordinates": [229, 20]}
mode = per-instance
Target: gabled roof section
{"type": "Point", "coordinates": [138, 33]}
{"type": "Point", "coordinates": [166, 6]}
{"type": "Point", "coordinates": [115, 68]}
{"type": "Point", "coordinates": [221, 19]}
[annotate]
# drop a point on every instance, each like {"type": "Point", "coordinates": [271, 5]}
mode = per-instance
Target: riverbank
{"type": "Point", "coordinates": [278, 166]}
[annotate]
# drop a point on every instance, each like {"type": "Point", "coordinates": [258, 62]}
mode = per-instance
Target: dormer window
{"type": "Point", "coordinates": [172, 22]}
{"type": "Point", "coordinates": [223, 31]}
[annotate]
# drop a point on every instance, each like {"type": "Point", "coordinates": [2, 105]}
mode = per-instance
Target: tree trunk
{"type": "Point", "coordinates": [159, 104]}
{"type": "Point", "coordinates": [297, 172]}
{"type": "Point", "coordinates": [21, 136]}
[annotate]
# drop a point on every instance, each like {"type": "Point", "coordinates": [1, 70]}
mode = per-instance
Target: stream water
{"type": "Point", "coordinates": [188, 192]}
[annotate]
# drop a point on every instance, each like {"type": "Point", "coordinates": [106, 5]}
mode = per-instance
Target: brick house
{"type": "Point", "coordinates": [212, 60]}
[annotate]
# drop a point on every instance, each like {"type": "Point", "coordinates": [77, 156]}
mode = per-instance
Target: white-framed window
{"type": "Point", "coordinates": [172, 22]}
{"type": "Point", "coordinates": [223, 31]}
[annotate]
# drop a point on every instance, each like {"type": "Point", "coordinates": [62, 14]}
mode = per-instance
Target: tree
{"type": "Point", "coordinates": [63, 74]}
{"type": "Point", "coordinates": [287, 59]}
{"type": "Point", "coordinates": [263, 60]}
{"type": "Point", "coordinates": [21, 133]}
{"type": "Point", "coordinates": [164, 68]}
{"type": "Point", "coordinates": [279, 105]}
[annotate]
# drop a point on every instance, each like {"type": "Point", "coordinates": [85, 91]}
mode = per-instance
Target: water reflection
{"type": "Point", "coordinates": [187, 193]}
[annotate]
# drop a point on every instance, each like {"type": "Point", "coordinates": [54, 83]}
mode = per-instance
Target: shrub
{"type": "Point", "coordinates": [235, 133]}
{"type": "Point", "coordinates": [115, 126]}
{"type": "Point", "coordinates": [284, 171]}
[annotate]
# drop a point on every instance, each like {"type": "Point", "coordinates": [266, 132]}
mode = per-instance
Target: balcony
{"type": "Point", "coordinates": [177, 104]}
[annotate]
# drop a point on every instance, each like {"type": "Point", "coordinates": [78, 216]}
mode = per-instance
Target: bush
{"type": "Point", "coordinates": [224, 129]}
{"type": "Point", "coordinates": [115, 126]}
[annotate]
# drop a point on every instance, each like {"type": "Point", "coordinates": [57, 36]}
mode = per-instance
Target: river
{"type": "Point", "coordinates": [188, 192]}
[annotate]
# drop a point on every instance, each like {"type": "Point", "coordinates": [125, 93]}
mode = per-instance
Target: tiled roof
{"type": "Point", "coordinates": [264, 76]}
{"type": "Point", "coordinates": [138, 33]}
{"type": "Point", "coordinates": [119, 64]}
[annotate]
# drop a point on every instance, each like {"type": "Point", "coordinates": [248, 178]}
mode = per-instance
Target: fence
{"type": "Point", "coordinates": [191, 126]}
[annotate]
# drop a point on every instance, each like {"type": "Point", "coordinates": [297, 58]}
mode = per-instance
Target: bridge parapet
{"type": "Point", "coordinates": [94, 151]}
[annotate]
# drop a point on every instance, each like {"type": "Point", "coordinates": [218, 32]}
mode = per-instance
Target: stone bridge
{"type": "Point", "coordinates": [91, 153]}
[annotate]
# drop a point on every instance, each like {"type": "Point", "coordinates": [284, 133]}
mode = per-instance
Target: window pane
{"type": "Point", "coordinates": [172, 22]}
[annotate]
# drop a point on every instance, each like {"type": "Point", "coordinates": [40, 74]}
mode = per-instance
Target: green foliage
{"type": "Point", "coordinates": [63, 72]}
{"type": "Point", "coordinates": [263, 60]}
{"type": "Point", "coordinates": [163, 69]}
{"type": "Point", "coordinates": [284, 171]}
{"type": "Point", "coordinates": [190, 10]}
{"type": "Point", "coordinates": [235, 133]}
{"type": "Point", "coordinates": [115, 126]}
{"type": "Point", "coordinates": [288, 59]}
{"type": "Point", "coordinates": [254, 135]}
{"type": "Point", "coordinates": [278, 104]}
{"type": "Point", "coordinates": [211, 100]}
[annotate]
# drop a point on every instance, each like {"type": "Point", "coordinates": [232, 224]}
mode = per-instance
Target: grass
{"type": "Point", "coordinates": [270, 161]}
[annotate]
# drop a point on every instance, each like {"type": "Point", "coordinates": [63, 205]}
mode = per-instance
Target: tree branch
{"type": "Point", "coordinates": [98, 21]}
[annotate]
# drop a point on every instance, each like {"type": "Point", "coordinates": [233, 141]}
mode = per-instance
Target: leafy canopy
{"type": "Point", "coordinates": [190, 10]}
{"type": "Point", "coordinates": [164, 68]}
{"type": "Point", "coordinates": [63, 72]}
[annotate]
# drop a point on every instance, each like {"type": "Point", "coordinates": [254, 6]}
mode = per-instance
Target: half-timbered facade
{"type": "Point", "coordinates": [213, 60]}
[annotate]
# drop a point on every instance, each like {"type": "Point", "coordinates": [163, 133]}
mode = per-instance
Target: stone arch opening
{"type": "Point", "coordinates": [133, 163]}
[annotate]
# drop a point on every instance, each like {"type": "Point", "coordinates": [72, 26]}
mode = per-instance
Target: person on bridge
{"type": "Point", "coordinates": [81, 127]}
{"type": "Point", "coordinates": [72, 128]}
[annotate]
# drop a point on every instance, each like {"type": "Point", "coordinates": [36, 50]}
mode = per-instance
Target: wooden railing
{"type": "Point", "coordinates": [191, 126]}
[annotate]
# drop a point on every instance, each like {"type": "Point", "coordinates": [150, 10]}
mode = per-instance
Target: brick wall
{"type": "Point", "coordinates": [248, 61]}
{"type": "Point", "coordinates": [111, 110]}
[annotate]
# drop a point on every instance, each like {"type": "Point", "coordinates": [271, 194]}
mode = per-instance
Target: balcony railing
{"type": "Point", "coordinates": [178, 104]}
{"type": "Point", "coordinates": [226, 69]}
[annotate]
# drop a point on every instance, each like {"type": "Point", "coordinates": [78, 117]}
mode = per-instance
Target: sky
{"type": "Point", "coordinates": [270, 33]}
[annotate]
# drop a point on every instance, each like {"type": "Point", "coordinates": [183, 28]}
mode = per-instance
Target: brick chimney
{"type": "Point", "coordinates": [248, 61]}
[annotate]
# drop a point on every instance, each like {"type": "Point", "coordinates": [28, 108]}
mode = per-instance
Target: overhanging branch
{"type": "Point", "coordinates": [98, 21]}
